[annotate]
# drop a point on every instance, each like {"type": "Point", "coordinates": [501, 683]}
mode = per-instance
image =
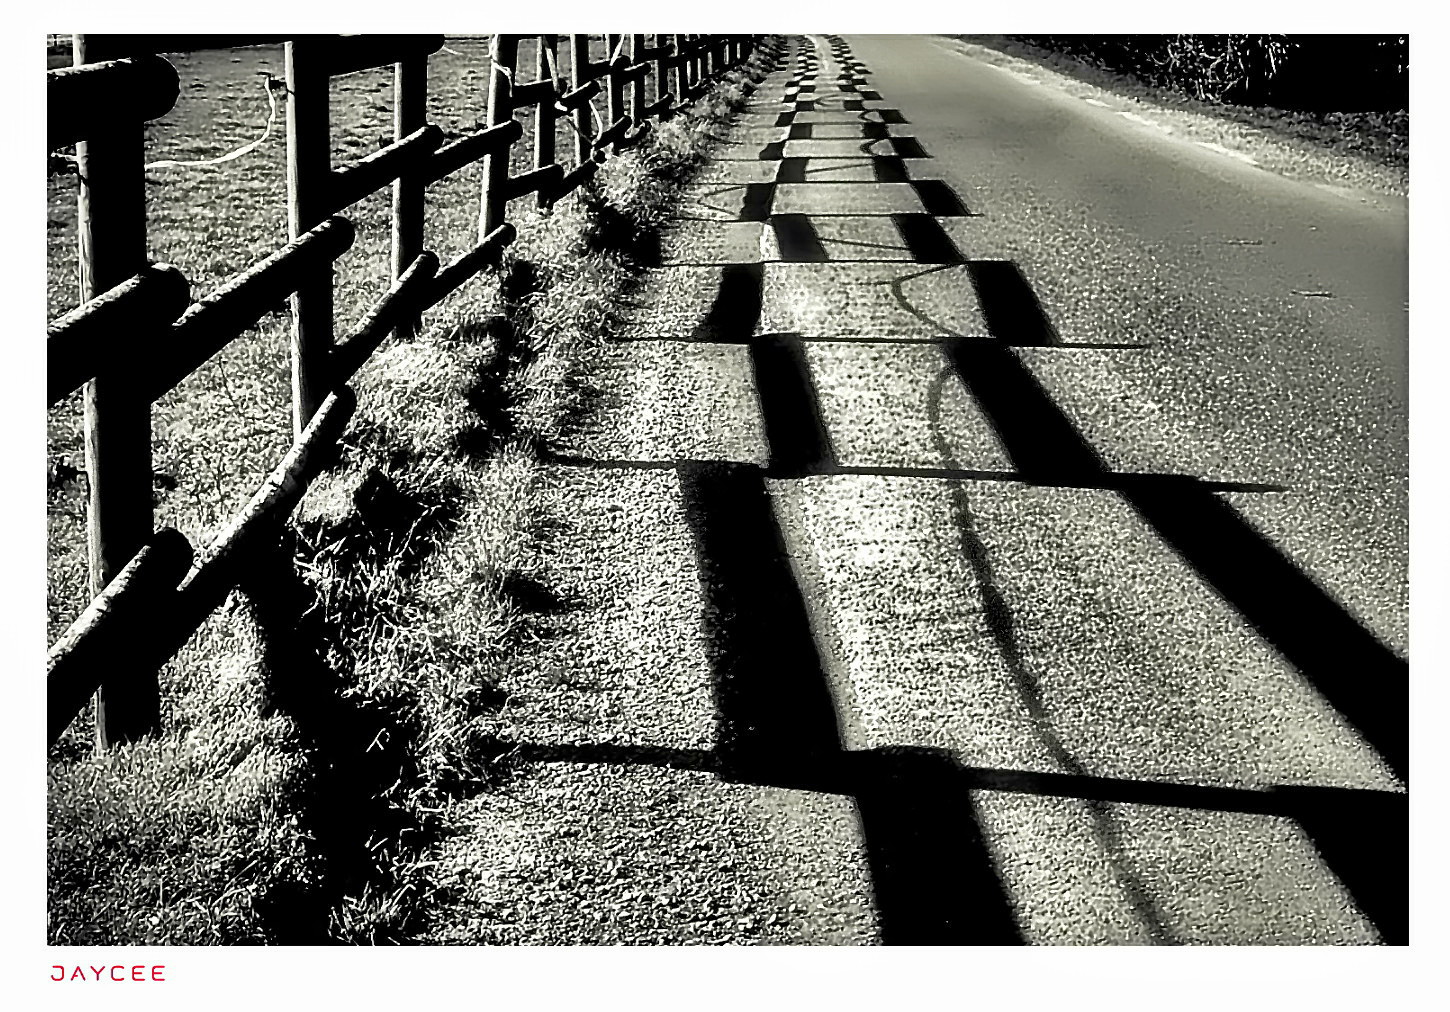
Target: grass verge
{"type": "Point", "coordinates": [1381, 138]}
{"type": "Point", "coordinates": [322, 724]}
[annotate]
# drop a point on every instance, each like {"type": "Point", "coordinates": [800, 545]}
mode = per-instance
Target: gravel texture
{"type": "Point", "coordinates": [784, 701]}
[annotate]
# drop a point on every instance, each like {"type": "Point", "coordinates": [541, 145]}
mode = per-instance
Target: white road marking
{"type": "Point", "coordinates": [1212, 146]}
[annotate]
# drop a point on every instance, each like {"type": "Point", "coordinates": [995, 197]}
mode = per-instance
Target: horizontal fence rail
{"type": "Point", "coordinates": [151, 590]}
{"type": "Point", "coordinates": [87, 99]}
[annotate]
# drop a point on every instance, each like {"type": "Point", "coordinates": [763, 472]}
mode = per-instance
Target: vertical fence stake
{"type": "Point", "coordinates": [111, 222]}
{"type": "Point", "coordinates": [677, 69]}
{"type": "Point", "coordinates": [410, 111]}
{"type": "Point", "coordinates": [579, 71]}
{"type": "Point", "coordinates": [503, 64]}
{"type": "Point", "coordinates": [309, 164]}
{"type": "Point", "coordinates": [544, 113]}
{"type": "Point", "coordinates": [636, 88]}
{"type": "Point", "coordinates": [662, 76]}
{"type": "Point", "coordinates": [615, 84]}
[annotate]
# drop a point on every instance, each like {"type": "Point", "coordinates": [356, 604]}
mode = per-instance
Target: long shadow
{"type": "Point", "coordinates": [791, 170]}
{"type": "Point", "coordinates": [1010, 304]}
{"type": "Point", "coordinates": [893, 117]}
{"type": "Point", "coordinates": [908, 147]}
{"type": "Point", "coordinates": [798, 240]}
{"type": "Point", "coordinates": [795, 430]}
{"type": "Point", "coordinates": [870, 130]}
{"type": "Point", "coordinates": [1002, 625]}
{"type": "Point", "coordinates": [360, 749]}
{"type": "Point", "coordinates": [755, 205]}
{"type": "Point", "coordinates": [939, 199]}
{"type": "Point", "coordinates": [931, 872]}
{"type": "Point", "coordinates": [775, 711]}
{"type": "Point", "coordinates": [1373, 866]}
{"type": "Point", "coordinates": [947, 333]}
{"type": "Point", "coordinates": [885, 169]}
{"type": "Point", "coordinates": [926, 240]}
{"type": "Point", "coordinates": [890, 169]}
{"type": "Point", "coordinates": [735, 311]}
{"type": "Point", "coordinates": [922, 235]}
{"type": "Point", "coordinates": [1355, 673]}
{"type": "Point", "coordinates": [1346, 664]}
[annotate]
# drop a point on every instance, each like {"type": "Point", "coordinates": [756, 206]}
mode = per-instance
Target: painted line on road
{"type": "Point", "coordinates": [1145, 121]}
{"type": "Point", "coordinates": [1212, 146]}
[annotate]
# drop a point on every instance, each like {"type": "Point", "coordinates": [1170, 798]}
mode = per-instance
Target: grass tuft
{"type": "Point", "coordinates": [323, 726]}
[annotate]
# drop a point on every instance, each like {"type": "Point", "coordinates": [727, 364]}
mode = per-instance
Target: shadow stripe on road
{"type": "Point", "coordinates": [1359, 676]}
{"type": "Point", "coordinates": [931, 873]}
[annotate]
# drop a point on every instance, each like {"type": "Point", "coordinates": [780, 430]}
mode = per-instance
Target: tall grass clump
{"type": "Point", "coordinates": [322, 726]}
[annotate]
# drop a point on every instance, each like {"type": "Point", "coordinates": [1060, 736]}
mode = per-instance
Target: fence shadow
{"type": "Point", "coordinates": [735, 311]}
{"type": "Point", "coordinates": [360, 749]}
{"type": "Point", "coordinates": [1344, 662]}
{"type": "Point", "coordinates": [932, 875]}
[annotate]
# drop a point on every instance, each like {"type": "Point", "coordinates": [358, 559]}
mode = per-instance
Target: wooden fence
{"type": "Point", "coordinates": [149, 589]}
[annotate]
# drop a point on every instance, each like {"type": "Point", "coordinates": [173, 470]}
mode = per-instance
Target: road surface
{"type": "Point", "coordinates": [992, 528]}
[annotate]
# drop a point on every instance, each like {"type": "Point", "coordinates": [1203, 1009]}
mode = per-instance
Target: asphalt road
{"type": "Point", "coordinates": [994, 525]}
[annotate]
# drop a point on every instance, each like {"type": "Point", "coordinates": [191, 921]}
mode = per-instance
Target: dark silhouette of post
{"type": "Point", "coordinates": [636, 86]}
{"type": "Point", "coordinates": [410, 112]}
{"type": "Point", "coordinates": [504, 59]}
{"type": "Point", "coordinates": [544, 113]}
{"type": "Point", "coordinates": [579, 72]}
{"type": "Point", "coordinates": [662, 76]}
{"type": "Point", "coordinates": [309, 168]}
{"type": "Point", "coordinates": [615, 82]}
{"type": "Point", "coordinates": [111, 227]}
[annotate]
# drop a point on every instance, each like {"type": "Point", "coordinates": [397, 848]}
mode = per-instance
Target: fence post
{"type": "Point", "coordinates": [712, 62]}
{"type": "Point", "coordinates": [636, 88]}
{"type": "Point", "coordinates": [504, 59]}
{"type": "Point", "coordinates": [309, 164]}
{"type": "Point", "coordinates": [662, 76]}
{"type": "Point", "coordinates": [615, 90]}
{"type": "Point", "coordinates": [578, 70]}
{"type": "Point", "coordinates": [111, 222]}
{"type": "Point", "coordinates": [544, 113]}
{"type": "Point", "coordinates": [410, 111]}
{"type": "Point", "coordinates": [677, 68]}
